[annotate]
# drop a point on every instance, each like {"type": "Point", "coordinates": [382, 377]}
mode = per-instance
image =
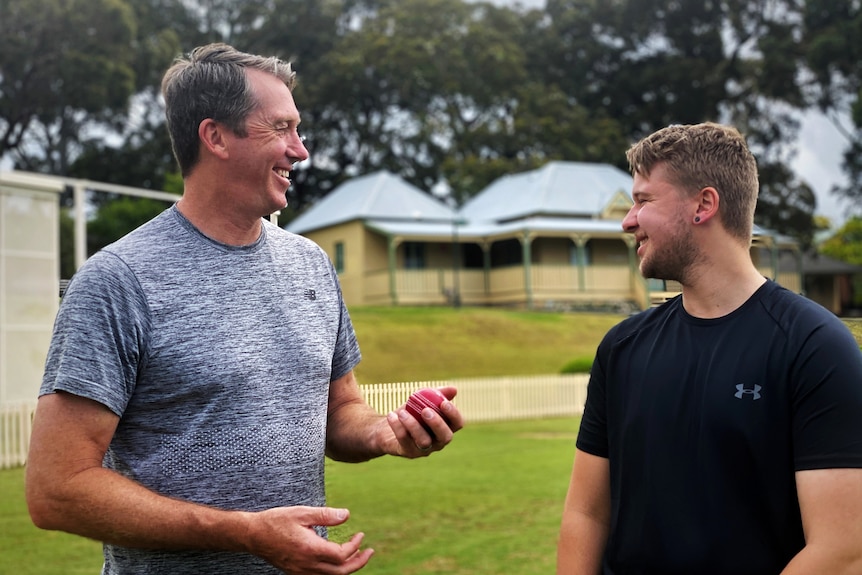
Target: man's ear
{"type": "Point", "coordinates": [212, 137]}
{"type": "Point", "coordinates": [707, 206]}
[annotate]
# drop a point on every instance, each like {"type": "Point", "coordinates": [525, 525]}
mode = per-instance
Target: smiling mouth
{"type": "Point", "coordinates": [284, 174]}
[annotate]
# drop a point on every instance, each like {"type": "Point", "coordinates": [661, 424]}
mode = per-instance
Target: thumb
{"type": "Point", "coordinates": [328, 516]}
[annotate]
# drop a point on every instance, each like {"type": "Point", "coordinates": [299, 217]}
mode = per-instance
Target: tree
{"type": "Point", "coordinates": [118, 217]}
{"type": "Point", "coordinates": [65, 67]}
{"type": "Point", "coordinates": [785, 204]}
{"type": "Point", "coordinates": [449, 94]}
{"type": "Point", "coordinates": [439, 92]}
{"type": "Point", "coordinates": [650, 63]}
{"type": "Point", "coordinates": [138, 153]}
{"type": "Point", "coordinates": [846, 243]}
{"type": "Point", "coordinates": [833, 50]}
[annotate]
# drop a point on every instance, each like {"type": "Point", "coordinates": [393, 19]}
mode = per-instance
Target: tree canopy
{"type": "Point", "coordinates": [449, 94]}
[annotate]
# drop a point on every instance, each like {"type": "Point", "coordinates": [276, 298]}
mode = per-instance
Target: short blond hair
{"type": "Point", "coordinates": [705, 155]}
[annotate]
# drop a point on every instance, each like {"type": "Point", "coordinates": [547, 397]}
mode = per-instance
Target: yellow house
{"type": "Point", "coordinates": [547, 238]}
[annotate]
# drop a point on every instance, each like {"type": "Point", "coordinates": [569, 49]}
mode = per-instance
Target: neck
{"type": "Point", "coordinates": [710, 301]}
{"type": "Point", "coordinates": [721, 283]}
{"type": "Point", "coordinates": [219, 222]}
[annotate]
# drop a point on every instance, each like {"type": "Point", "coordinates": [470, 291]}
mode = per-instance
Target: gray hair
{"type": "Point", "coordinates": [211, 83]}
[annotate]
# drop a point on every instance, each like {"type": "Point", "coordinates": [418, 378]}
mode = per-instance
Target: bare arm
{"type": "Point", "coordinates": [355, 432]}
{"type": "Point", "coordinates": [586, 517]}
{"type": "Point", "coordinates": [68, 489]}
{"type": "Point", "coordinates": [831, 504]}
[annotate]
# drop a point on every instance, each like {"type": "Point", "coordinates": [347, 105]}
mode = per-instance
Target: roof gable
{"type": "Point", "coordinates": [379, 195]}
{"type": "Point", "coordinates": [559, 189]}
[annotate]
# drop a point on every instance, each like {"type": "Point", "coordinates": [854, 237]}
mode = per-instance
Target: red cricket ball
{"type": "Point", "coordinates": [422, 398]}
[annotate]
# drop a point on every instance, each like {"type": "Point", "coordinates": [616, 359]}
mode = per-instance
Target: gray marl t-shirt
{"type": "Point", "coordinates": [218, 361]}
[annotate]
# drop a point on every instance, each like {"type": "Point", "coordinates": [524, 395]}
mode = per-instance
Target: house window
{"type": "Point", "coordinates": [414, 255]}
{"type": "Point", "coordinates": [339, 257]}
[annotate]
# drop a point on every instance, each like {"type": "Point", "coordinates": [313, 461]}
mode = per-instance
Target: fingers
{"type": "Point", "coordinates": [449, 391]}
{"type": "Point", "coordinates": [355, 558]}
{"type": "Point", "coordinates": [433, 433]}
{"type": "Point", "coordinates": [450, 412]}
{"type": "Point", "coordinates": [346, 557]}
{"type": "Point", "coordinates": [285, 538]}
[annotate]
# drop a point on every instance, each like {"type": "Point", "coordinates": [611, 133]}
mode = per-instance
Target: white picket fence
{"type": "Point", "coordinates": [15, 424]}
{"type": "Point", "coordinates": [495, 398]}
{"type": "Point", "coordinates": [479, 399]}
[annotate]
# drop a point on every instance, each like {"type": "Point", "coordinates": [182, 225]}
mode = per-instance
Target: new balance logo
{"type": "Point", "coordinates": [309, 294]}
{"type": "Point", "coordinates": [742, 392]}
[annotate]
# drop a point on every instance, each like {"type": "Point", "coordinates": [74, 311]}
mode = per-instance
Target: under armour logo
{"type": "Point", "coordinates": [309, 294]}
{"type": "Point", "coordinates": [741, 391]}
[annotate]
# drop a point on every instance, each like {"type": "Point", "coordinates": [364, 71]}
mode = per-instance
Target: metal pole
{"type": "Point", "coordinates": [456, 264]}
{"type": "Point", "coordinates": [80, 200]}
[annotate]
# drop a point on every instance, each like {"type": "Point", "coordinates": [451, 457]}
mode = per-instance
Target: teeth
{"type": "Point", "coordinates": [283, 173]}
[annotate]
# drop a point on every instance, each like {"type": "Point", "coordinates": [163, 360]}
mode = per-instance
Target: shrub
{"type": "Point", "coordinates": [578, 365]}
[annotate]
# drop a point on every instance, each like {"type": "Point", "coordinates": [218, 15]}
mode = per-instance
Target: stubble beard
{"type": "Point", "coordinates": [674, 261]}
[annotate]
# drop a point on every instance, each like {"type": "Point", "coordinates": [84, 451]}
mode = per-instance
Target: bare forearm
{"type": "Point", "coordinates": [101, 504]}
{"type": "Point", "coordinates": [581, 546]}
{"type": "Point", "coordinates": [586, 517]}
{"type": "Point", "coordinates": [354, 433]}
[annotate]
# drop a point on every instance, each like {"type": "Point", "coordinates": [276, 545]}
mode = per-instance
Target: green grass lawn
{"type": "Point", "coordinates": [855, 326]}
{"type": "Point", "coordinates": [416, 344]}
{"type": "Point", "coordinates": [25, 550]}
{"type": "Point", "coordinates": [490, 503]}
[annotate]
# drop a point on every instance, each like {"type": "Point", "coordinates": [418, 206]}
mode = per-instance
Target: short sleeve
{"type": "Point", "coordinates": [98, 343]}
{"type": "Point", "coordinates": [827, 401]}
{"type": "Point", "coordinates": [593, 433]}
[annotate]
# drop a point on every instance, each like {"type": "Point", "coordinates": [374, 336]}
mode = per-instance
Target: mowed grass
{"type": "Point", "coordinates": [855, 326]}
{"type": "Point", "coordinates": [25, 550]}
{"type": "Point", "coordinates": [491, 501]}
{"type": "Point", "coordinates": [422, 344]}
{"type": "Point", "coordinates": [489, 504]}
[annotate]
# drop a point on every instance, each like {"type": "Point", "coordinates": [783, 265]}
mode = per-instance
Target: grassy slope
{"type": "Point", "coordinates": [416, 344]}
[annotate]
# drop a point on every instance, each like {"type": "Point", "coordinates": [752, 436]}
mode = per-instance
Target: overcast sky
{"type": "Point", "coordinates": [821, 148]}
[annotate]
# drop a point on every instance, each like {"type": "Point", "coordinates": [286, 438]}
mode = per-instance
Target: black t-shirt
{"type": "Point", "coordinates": [704, 423]}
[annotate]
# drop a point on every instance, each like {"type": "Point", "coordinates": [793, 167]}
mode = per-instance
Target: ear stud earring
{"type": "Point", "coordinates": [697, 219]}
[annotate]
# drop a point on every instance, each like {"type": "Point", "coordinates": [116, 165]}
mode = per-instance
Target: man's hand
{"type": "Point", "coordinates": [285, 538]}
{"type": "Point", "coordinates": [412, 438]}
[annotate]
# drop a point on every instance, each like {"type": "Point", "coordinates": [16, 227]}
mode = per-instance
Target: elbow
{"type": "Point", "coordinates": [43, 508]}
{"type": "Point", "coordinates": [40, 513]}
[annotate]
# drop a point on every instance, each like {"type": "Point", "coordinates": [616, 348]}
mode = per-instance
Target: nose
{"type": "Point", "coordinates": [630, 222]}
{"type": "Point", "coordinates": [296, 150]}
